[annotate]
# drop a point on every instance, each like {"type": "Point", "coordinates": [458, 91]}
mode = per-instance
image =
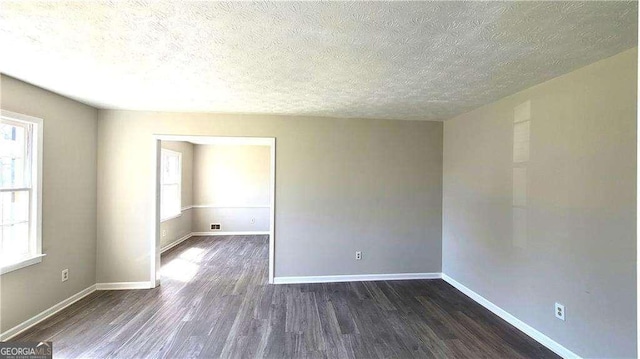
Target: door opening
{"type": "Point", "coordinates": [231, 207]}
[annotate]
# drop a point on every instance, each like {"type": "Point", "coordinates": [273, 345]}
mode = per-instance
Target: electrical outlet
{"type": "Point", "coordinates": [253, 221]}
{"type": "Point", "coordinates": [216, 226]}
{"type": "Point", "coordinates": [164, 232]}
{"type": "Point", "coordinates": [65, 275]}
{"type": "Point", "coordinates": [560, 312]}
{"type": "Point", "coordinates": [358, 255]}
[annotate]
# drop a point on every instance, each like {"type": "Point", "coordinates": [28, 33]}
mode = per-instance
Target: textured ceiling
{"type": "Point", "coordinates": [395, 60]}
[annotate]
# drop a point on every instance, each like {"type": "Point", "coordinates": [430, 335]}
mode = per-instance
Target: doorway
{"type": "Point", "coordinates": [255, 214]}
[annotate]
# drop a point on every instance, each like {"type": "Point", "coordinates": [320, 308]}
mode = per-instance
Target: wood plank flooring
{"type": "Point", "coordinates": [214, 301]}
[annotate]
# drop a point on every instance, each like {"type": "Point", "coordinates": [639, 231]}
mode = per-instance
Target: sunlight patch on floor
{"type": "Point", "coordinates": [193, 255]}
{"type": "Point", "coordinates": [185, 267]}
{"type": "Point", "coordinates": [180, 269]}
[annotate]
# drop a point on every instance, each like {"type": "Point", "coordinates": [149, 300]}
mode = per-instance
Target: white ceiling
{"type": "Point", "coordinates": [392, 60]}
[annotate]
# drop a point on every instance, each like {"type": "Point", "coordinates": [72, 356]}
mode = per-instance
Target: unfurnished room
{"type": "Point", "coordinates": [310, 179]}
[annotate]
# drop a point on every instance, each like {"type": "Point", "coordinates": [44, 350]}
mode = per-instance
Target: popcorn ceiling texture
{"type": "Point", "coordinates": [390, 60]}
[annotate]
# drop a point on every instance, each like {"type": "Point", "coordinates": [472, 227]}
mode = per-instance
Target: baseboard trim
{"type": "Point", "coordinates": [46, 314]}
{"type": "Point", "coordinates": [123, 286]}
{"type": "Point", "coordinates": [216, 206]}
{"type": "Point", "coordinates": [354, 278]}
{"type": "Point", "coordinates": [245, 233]}
{"type": "Point", "coordinates": [173, 244]}
{"type": "Point", "coordinates": [520, 325]}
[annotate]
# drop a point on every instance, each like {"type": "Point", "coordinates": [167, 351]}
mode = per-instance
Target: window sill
{"type": "Point", "coordinates": [170, 217]}
{"type": "Point", "coordinates": [21, 264]}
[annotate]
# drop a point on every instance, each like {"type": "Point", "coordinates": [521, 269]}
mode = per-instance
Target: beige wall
{"type": "Point", "coordinates": [176, 228]}
{"type": "Point", "coordinates": [173, 229]}
{"type": "Point", "coordinates": [341, 185]}
{"type": "Point", "coordinates": [231, 175]}
{"type": "Point", "coordinates": [232, 219]}
{"type": "Point", "coordinates": [577, 244]}
{"type": "Point", "coordinates": [233, 182]}
{"type": "Point", "coordinates": [69, 203]}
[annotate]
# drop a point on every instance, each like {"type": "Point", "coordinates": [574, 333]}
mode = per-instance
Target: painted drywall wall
{"type": "Point", "coordinates": [231, 175]}
{"type": "Point", "coordinates": [341, 185]}
{"type": "Point", "coordinates": [69, 203]}
{"type": "Point", "coordinates": [231, 187]}
{"type": "Point", "coordinates": [567, 231]}
{"type": "Point", "coordinates": [231, 219]}
{"type": "Point", "coordinates": [176, 228]}
{"type": "Point", "coordinates": [173, 229]}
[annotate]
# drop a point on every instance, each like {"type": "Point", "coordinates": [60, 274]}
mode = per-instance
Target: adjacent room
{"type": "Point", "coordinates": [185, 179]}
{"type": "Point", "coordinates": [215, 186]}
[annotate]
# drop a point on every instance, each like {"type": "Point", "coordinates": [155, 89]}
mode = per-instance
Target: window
{"type": "Point", "coordinates": [20, 191]}
{"type": "Point", "coordinates": [170, 200]}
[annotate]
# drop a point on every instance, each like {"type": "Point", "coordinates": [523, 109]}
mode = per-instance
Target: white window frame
{"type": "Point", "coordinates": [178, 212]}
{"type": "Point", "coordinates": [35, 207]}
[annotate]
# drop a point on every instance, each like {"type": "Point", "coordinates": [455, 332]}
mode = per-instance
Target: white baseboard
{"type": "Point", "coordinates": [247, 233]}
{"type": "Point", "coordinates": [217, 206]}
{"type": "Point", "coordinates": [354, 278]}
{"type": "Point", "coordinates": [522, 326]}
{"type": "Point", "coordinates": [46, 314]}
{"type": "Point", "coordinates": [173, 244]}
{"type": "Point", "coordinates": [123, 285]}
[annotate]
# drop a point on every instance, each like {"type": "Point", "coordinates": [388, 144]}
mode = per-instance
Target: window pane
{"type": "Point", "coordinates": [170, 200]}
{"type": "Point", "coordinates": [170, 184]}
{"type": "Point", "coordinates": [15, 242]}
{"type": "Point", "coordinates": [15, 207]}
{"type": "Point", "coordinates": [170, 168]}
{"type": "Point", "coordinates": [14, 157]}
{"type": "Point", "coordinates": [18, 145]}
{"type": "Point", "coordinates": [165, 168]}
{"type": "Point", "coordinates": [14, 226]}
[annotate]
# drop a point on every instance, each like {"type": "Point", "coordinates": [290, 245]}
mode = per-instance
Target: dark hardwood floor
{"type": "Point", "coordinates": [214, 302]}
